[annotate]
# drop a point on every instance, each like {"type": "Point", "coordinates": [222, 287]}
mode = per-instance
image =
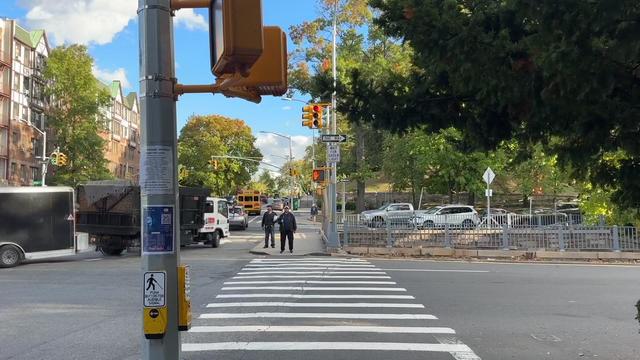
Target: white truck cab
{"type": "Point", "coordinates": [216, 221]}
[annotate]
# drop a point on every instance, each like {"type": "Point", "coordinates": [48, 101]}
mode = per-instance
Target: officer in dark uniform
{"type": "Point", "coordinates": [268, 223]}
{"type": "Point", "coordinates": [288, 227]}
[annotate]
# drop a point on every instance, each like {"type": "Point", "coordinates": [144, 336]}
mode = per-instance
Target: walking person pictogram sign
{"type": "Point", "coordinates": [155, 283]}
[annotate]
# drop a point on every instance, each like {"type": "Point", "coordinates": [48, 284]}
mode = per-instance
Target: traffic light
{"type": "Point", "coordinates": [214, 164]}
{"type": "Point", "coordinates": [235, 35]}
{"type": "Point", "coordinates": [312, 116]}
{"type": "Point", "coordinates": [54, 158]}
{"type": "Point", "coordinates": [62, 159]}
{"type": "Point", "coordinates": [319, 176]}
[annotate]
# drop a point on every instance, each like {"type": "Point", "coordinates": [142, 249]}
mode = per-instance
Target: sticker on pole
{"type": "Point", "coordinates": [156, 170]}
{"type": "Point", "coordinates": [155, 285]}
{"type": "Point", "coordinates": [158, 235]}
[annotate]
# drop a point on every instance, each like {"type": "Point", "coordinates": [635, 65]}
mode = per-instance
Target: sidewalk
{"type": "Point", "coordinates": [307, 240]}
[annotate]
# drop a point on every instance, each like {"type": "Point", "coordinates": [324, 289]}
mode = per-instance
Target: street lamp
{"type": "Point", "coordinates": [290, 158]}
{"type": "Point", "coordinates": [292, 99]}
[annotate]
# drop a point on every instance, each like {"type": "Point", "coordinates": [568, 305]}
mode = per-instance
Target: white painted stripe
{"type": "Point", "coordinates": [287, 315]}
{"type": "Point", "coordinates": [331, 346]}
{"type": "Point", "coordinates": [324, 329]}
{"type": "Point", "coordinates": [377, 272]}
{"type": "Point", "coordinates": [311, 264]}
{"type": "Point", "coordinates": [311, 288]}
{"type": "Point", "coordinates": [310, 282]}
{"type": "Point", "coordinates": [271, 268]}
{"type": "Point", "coordinates": [311, 277]}
{"type": "Point", "coordinates": [439, 270]}
{"type": "Point", "coordinates": [255, 262]}
{"type": "Point", "coordinates": [326, 305]}
{"type": "Point", "coordinates": [309, 296]}
{"type": "Point", "coordinates": [254, 219]}
{"type": "Point", "coordinates": [457, 355]}
{"type": "Point", "coordinates": [325, 258]}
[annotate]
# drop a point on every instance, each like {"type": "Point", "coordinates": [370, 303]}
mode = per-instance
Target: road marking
{"type": "Point", "coordinates": [311, 288]}
{"type": "Point", "coordinates": [439, 270]}
{"type": "Point", "coordinates": [310, 282]}
{"type": "Point", "coordinates": [309, 268]}
{"type": "Point", "coordinates": [282, 315]}
{"type": "Point", "coordinates": [457, 355]}
{"type": "Point", "coordinates": [311, 277]}
{"type": "Point", "coordinates": [308, 296]}
{"type": "Point", "coordinates": [372, 272]}
{"type": "Point", "coordinates": [278, 261]}
{"type": "Point", "coordinates": [96, 259]}
{"type": "Point", "coordinates": [327, 305]}
{"type": "Point", "coordinates": [331, 346]}
{"type": "Point", "coordinates": [309, 264]}
{"type": "Point", "coordinates": [324, 329]}
{"type": "Point", "coordinates": [254, 219]}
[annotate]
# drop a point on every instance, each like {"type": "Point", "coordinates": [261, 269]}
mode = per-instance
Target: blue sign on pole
{"type": "Point", "coordinates": [158, 236]}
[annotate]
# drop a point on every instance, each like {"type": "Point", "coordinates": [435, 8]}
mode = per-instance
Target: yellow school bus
{"type": "Point", "coordinates": [250, 201]}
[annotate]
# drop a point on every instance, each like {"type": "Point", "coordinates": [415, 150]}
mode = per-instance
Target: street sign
{"type": "Point", "coordinates": [155, 288]}
{"type": "Point", "coordinates": [488, 193]}
{"type": "Point", "coordinates": [333, 153]}
{"type": "Point", "coordinates": [333, 138]}
{"type": "Point", "coordinates": [489, 176]}
{"type": "Point", "coordinates": [158, 231]}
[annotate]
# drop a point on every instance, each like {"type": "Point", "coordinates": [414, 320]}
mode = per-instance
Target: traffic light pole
{"type": "Point", "coordinates": [333, 226]}
{"type": "Point", "coordinates": [158, 174]}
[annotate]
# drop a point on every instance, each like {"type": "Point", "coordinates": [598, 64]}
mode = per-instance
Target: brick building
{"type": "Point", "coordinates": [22, 103]}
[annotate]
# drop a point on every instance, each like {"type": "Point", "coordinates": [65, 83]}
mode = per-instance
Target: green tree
{"type": "Point", "coordinates": [530, 70]}
{"type": "Point", "coordinates": [206, 136]}
{"type": "Point", "coordinates": [268, 181]}
{"type": "Point", "coordinates": [74, 117]}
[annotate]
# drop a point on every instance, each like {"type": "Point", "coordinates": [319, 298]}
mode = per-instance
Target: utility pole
{"type": "Point", "coordinates": [333, 231]}
{"type": "Point", "coordinates": [159, 174]}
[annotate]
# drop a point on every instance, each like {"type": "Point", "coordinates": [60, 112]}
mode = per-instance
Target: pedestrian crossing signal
{"type": "Point", "coordinates": [319, 176]}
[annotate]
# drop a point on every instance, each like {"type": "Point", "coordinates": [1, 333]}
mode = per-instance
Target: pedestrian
{"type": "Point", "coordinates": [288, 227]}
{"type": "Point", "coordinates": [268, 222]}
{"type": "Point", "coordinates": [314, 212]}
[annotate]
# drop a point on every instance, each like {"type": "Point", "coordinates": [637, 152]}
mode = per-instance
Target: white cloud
{"type": "Point", "coordinates": [275, 148]}
{"type": "Point", "coordinates": [286, 108]}
{"type": "Point", "coordinates": [80, 21]}
{"type": "Point", "coordinates": [189, 19]}
{"type": "Point", "coordinates": [108, 76]}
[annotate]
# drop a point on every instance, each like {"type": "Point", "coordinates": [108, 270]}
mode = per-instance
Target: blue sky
{"type": "Point", "coordinates": [110, 29]}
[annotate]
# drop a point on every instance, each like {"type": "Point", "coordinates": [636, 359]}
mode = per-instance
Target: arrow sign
{"type": "Point", "coordinates": [488, 176]}
{"type": "Point", "coordinates": [333, 138]}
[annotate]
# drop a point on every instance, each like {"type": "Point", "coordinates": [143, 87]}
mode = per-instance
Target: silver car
{"type": "Point", "coordinates": [238, 218]}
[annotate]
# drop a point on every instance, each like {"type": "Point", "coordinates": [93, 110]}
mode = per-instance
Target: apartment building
{"type": "Point", "coordinates": [122, 133]}
{"type": "Point", "coordinates": [23, 55]}
{"type": "Point", "coordinates": [22, 102]}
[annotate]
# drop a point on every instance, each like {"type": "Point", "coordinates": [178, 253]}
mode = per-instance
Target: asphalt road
{"type": "Point", "coordinates": [87, 307]}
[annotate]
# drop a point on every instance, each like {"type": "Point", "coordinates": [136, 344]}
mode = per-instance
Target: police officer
{"type": "Point", "coordinates": [268, 223]}
{"type": "Point", "coordinates": [288, 227]}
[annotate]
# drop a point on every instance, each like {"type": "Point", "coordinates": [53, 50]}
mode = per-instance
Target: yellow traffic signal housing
{"type": "Point", "coordinates": [62, 159]}
{"type": "Point", "coordinates": [235, 35]}
{"type": "Point", "coordinates": [269, 74]}
{"type": "Point", "coordinates": [312, 116]}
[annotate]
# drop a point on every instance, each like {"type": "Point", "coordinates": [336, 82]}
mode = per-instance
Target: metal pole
{"type": "Point", "coordinates": [44, 157]}
{"type": "Point", "coordinates": [488, 205]}
{"type": "Point", "coordinates": [333, 239]}
{"type": "Point", "coordinates": [159, 171]}
{"type": "Point", "coordinates": [344, 198]}
{"type": "Point", "coordinates": [291, 173]}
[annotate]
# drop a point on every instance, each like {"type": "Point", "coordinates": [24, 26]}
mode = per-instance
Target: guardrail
{"type": "Point", "coordinates": [521, 233]}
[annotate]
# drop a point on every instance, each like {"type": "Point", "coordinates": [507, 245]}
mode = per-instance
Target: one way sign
{"type": "Point", "coordinates": [333, 138]}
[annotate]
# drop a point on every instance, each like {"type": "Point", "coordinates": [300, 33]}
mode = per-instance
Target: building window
{"type": "Point", "coordinates": [34, 146]}
{"type": "Point", "coordinates": [15, 137]}
{"type": "Point", "coordinates": [16, 81]}
{"type": "Point", "coordinates": [4, 147]}
{"type": "Point", "coordinates": [16, 110]}
{"type": "Point", "coordinates": [3, 168]}
{"type": "Point", "coordinates": [25, 113]}
{"type": "Point", "coordinates": [26, 81]}
{"type": "Point", "coordinates": [35, 173]}
{"type": "Point", "coordinates": [14, 169]}
{"type": "Point", "coordinates": [23, 173]}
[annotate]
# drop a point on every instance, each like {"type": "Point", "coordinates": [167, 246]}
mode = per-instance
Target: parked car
{"type": "Point", "coordinates": [396, 213]}
{"type": "Point", "coordinates": [464, 216]}
{"type": "Point", "coordinates": [278, 204]}
{"type": "Point", "coordinates": [238, 218]}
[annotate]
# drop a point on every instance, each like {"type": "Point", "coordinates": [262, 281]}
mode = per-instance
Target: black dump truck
{"type": "Point", "coordinates": [35, 223]}
{"type": "Point", "coordinates": [109, 211]}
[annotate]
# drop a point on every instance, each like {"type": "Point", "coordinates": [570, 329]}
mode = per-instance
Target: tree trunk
{"type": "Point", "coordinates": [361, 185]}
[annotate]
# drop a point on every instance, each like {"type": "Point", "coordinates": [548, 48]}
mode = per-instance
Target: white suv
{"type": "Point", "coordinates": [459, 216]}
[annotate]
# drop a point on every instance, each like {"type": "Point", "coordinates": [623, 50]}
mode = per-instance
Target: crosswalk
{"type": "Point", "coordinates": [318, 308]}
